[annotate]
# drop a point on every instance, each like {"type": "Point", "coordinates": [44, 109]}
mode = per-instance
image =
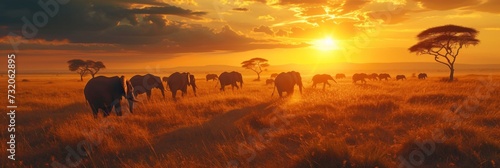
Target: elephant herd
{"type": "Point", "coordinates": [106, 93]}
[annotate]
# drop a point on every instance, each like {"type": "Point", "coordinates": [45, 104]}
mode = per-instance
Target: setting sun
{"type": "Point", "coordinates": [325, 44]}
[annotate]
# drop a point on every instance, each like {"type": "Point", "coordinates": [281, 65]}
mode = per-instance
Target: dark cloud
{"type": "Point", "coordinates": [124, 27]}
{"type": "Point", "coordinates": [240, 9]}
{"type": "Point", "coordinates": [264, 29]}
{"type": "Point", "coordinates": [448, 4]}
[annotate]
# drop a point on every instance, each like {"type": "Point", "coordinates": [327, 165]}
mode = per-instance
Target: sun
{"type": "Point", "coordinates": [325, 44]}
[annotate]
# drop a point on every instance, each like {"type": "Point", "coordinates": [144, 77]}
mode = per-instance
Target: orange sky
{"type": "Point", "coordinates": [170, 33]}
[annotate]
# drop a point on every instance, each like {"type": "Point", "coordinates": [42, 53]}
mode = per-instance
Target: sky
{"type": "Point", "coordinates": [169, 33]}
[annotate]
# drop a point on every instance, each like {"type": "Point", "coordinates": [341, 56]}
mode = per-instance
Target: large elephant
{"type": "Point", "coordinates": [106, 92]}
{"type": "Point", "coordinates": [359, 77]}
{"type": "Point", "coordinates": [322, 78]}
{"type": "Point", "coordinates": [230, 78]}
{"type": "Point", "coordinates": [384, 76]}
{"type": "Point", "coordinates": [180, 81]}
{"type": "Point", "coordinates": [144, 84]}
{"type": "Point", "coordinates": [285, 82]}
{"type": "Point", "coordinates": [422, 76]}
{"type": "Point", "coordinates": [212, 77]}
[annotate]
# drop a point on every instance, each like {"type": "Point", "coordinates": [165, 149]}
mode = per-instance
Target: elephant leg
{"type": "Point", "coordinates": [314, 85]}
{"type": "Point", "coordinates": [107, 110]}
{"type": "Point", "coordinates": [95, 110]}
{"type": "Point", "coordinates": [280, 93]}
{"type": "Point", "coordinates": [149, 94]}
{"type": "Point", "coordinates": [118, 109]}
{"type": "Point", "coordinates": [324, 84]}
{"type": "Point", "coordinates": [174, 92]}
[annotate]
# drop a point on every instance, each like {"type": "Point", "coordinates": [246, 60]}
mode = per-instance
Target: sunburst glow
{"type": "Point", "coordinates": [325, 44]}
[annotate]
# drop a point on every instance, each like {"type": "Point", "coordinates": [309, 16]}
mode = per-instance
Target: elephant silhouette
{"type": "Point", "coordinates": [422, 76]}
{"type": "Point", "coordinates": [180, 81]}
{"type": "Point", "coordinates": [384, 76]}
{"type": "Point", "coordinates": [106, 92]}
{"type": "Point", "coordinates": [359, 77]}
{"type": "Point", "coordinates": [285, 82]}
{"type": "Point", "coordinates": [400, 77]}
{"type": "Point", "coordinates": [212, 77]}
{"type": "Point", "coordinates": [322, 78]}
{"type": "Point", "coordinates": [145, 83]}
{"type": "Point", "coordinates": [230, 78]}
{"type": "Point", "coordinates": [340, 76]}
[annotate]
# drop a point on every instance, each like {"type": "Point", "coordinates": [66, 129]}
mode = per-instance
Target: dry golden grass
{"type": "Point", "coordinates": [349, 125]}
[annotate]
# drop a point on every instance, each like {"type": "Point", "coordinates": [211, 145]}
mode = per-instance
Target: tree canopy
{"type": "Point", "coordinates": [445, 43]}
{"type": "Point", "coordinates": [256, 64]}
{"type": "Point", "coordinates": [85, 67]}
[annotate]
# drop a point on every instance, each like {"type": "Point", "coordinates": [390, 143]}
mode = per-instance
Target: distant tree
{"type": "Point", "coordinates": [255, 64]}
{"type": "Point", "coordinates": [444, 43]}
{"type": "Point", "coordinates": [85, 67]}
{"type": "Point", "coordinates": [79, 66]}
{"type": "Point", "coordinates": [94, 67]}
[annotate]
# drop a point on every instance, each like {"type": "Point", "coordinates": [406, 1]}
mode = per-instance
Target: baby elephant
{"type": "Point", "coordinates": [400, 77]}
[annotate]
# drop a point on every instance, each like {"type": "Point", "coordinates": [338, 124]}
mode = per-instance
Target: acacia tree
{"type": "Point", "coordinates": [445, 43]}
{"type": "Point", "coordinates": [256, 65]}
{"type": "Point", "coordinates": [85, 67]}
{"type": "Point", "coordinates": [94, 67]}
{"type": "Point", "coordinates": [79, 66]}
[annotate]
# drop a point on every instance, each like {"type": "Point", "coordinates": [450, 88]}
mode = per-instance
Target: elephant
{"type": "Point", "coordinates": [373, 76]}
{"type": "Point", "coordinates": [384, 76]}
{"type": "Point", "coordinates": [400, 77]}
{"type": "Point", "coordinates": [274, 75]}
{"type": "Point", "coordinates": [422, 76]}
{"type": "Point", "coordinates": [322, 78]}
{"type": "Point", "coordinates": [212, 77]}
{"type": "Point", "coordinates": [285, 82]}
{"type": "Point", "coordinates": [180, 81]}
{"type": "Point", "coordinates": [144, 84]}
{"type": "Point", "coordinates": [340, 76]}
{"type": "Point", "coordinates": [106, 92]}
{"type": "Point", "coordinates": [269, 81]}
{"type": "Point", "coordinates": [230, 78]}
{"type": "Point", "coordinates": [359, 77]}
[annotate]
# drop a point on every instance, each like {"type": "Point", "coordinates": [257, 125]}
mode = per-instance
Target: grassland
{"type": "Point", "coordinates": [348, 125]}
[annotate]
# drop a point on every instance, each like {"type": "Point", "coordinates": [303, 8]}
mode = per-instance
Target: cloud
{"type": "Point", "coordinates": [264, 29]}
{"type": "Point", "coordinates": [492, 6]}
{"type": "Point", "coordinates": [281, 33]}
{"type": "Point", "coordinates": [266, 18]}
{"type": "Point", "coordinates": [447, 4]}
{"type": "Point", "coordinates": [240, 9]}
{"type": "Point", "coordinates": [122, 26]}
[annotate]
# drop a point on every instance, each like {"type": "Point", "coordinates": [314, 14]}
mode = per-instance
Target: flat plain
{"type": "Point", "coordinates": [422, 123]}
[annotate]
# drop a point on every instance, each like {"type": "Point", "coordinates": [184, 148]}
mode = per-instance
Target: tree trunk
{"type": "Point", "coordinates": [452, 71]}
{"type": "Point", "coordinates": [92, 74]}
{"type": "Point", "coordinates": [258, 77]}
{"type": "Point", "coordinates": [81, 77]}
